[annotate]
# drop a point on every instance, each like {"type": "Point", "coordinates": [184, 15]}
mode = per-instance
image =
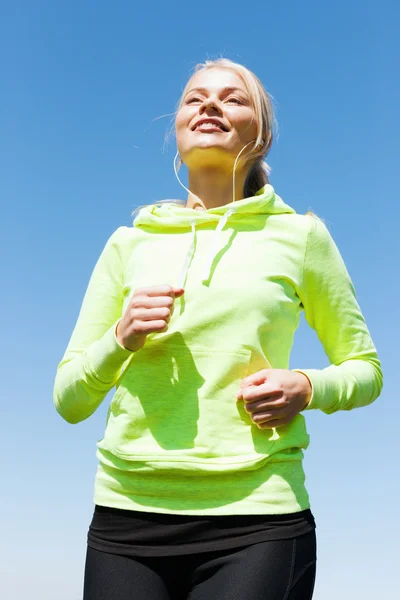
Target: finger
{"type": "Point", "coordinates": [266, 417]}
{"type": "Point", "coordinates": [251, 393]}
{"type": "Point", "coordinates": [256, 393]}
{"type": "Point", "coordinates": [272, 424]}
{"type": "Point", "coordinates": [255, 379]}
{"type": "Point", "coordinates": [161, 290]}
{"type": "Point", "coordinates": [152, 302]}
{"type": "Point", "coordinates": [146, 327]}
{"type": "Point", "coordinates": [265, 405]}
{"type": "Point", "coordinates": [152, 314]}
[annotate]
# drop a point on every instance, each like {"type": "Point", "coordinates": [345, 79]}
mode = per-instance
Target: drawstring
{"type": "Point", "coordinates": [211, 255]}
{"type": "Point", "coordinates": [189, 256]}
{"type": "Point", "coordinates": [214, 245]}
{"type": "Point", "coordinates": [220, 226]}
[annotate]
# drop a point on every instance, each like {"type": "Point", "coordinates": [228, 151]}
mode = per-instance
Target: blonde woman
{"type": "Point", "coordinates": [190, 314]}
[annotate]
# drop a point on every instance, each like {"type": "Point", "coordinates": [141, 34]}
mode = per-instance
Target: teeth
{"type": "Point", "coordinates": [209, 125]}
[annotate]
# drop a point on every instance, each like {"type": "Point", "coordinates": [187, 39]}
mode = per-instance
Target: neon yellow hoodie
{"type": "Point", "coordinates": [176, 439]}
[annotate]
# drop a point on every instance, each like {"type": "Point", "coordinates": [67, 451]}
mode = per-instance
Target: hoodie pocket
{"type": "Point", "coordinates": [176, 408]}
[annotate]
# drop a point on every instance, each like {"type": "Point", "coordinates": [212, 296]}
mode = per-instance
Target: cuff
{"type": "Point", "coordinates": [324, 389]}
{"type": "Point", "coordinates": [310, 402]}
{"type": "Point", "coordinates": [107, 357]}
{"type": "Point", "coordinates": [115, 327]}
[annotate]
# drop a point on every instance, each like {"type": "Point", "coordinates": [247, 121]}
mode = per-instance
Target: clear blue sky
{"type": "Point", "coordinates": [82, 84]}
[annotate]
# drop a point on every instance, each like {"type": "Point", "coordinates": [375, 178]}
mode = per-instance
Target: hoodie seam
{"type": "Point", "coordinates": [304, 275]}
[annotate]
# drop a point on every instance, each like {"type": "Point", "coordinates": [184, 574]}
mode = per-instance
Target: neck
{"type": "Point", "coordinates": [213, 188]}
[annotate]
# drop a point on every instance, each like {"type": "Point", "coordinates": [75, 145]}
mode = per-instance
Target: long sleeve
{"type": "Point", "coordinates": [94, 359]}
{"type": "Point", "coordinates": [354, 378]}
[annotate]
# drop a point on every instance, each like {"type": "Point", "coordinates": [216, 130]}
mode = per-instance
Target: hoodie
{"type": "Point", "coordinates": [176, 439]}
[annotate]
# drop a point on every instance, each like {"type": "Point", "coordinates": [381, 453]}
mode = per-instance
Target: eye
{"type": "Point", "coordinates": [235, 100]}
{"type": "Point", "coordinates": [193, 100]}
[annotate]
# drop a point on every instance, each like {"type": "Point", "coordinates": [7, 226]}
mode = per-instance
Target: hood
{"type": "Point", "coordinates": [163, 216]}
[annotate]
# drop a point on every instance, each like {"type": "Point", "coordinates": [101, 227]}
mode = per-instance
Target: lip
{"type": "Point", "coordinates": [218, 124]}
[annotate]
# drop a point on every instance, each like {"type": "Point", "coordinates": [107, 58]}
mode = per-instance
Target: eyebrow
{"type": "Point", "coordinates": [224, 91]}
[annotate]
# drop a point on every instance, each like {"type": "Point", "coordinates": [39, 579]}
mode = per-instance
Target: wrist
{"type": "Point", "coordinates": [308, 388]}
{"type": "Point", "coordinates": [117, 338]}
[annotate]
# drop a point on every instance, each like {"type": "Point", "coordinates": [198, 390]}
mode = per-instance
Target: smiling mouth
{"type": "Point", "coordinates": [209, 126]}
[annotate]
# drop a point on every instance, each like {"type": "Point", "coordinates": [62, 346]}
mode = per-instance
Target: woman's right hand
{"type": "Point", "coordinates": [149, 311]}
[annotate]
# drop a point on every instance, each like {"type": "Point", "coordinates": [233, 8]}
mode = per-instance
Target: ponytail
{"type": "Point", "coordinates": [256, 179]}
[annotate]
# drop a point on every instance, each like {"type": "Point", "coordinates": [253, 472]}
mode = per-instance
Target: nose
{"type": "Point", "coordinates": [210, 104]}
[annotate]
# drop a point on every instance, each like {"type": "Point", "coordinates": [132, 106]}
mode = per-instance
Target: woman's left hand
{"type": "Point", "coordinates": [273, 397]}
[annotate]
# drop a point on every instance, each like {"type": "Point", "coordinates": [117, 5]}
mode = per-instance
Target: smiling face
{"type": "Point", "coordinates": [215, 120]}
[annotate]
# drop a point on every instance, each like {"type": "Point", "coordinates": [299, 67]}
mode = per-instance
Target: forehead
{"type": "Point", "coordinates": [216, 79]}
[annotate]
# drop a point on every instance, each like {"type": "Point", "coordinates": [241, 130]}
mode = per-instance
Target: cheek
{"type": "Point", "coordinates": [246, 127]}
{"type": "Point", "coordinates": [179, 120]}
{"type": "Point", "coordinates": [181, 128]}
{"type": "Point", "coordinates": [249, 130]}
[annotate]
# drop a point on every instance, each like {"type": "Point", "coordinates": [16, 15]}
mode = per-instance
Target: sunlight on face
{"type": "Point", "coordinates": [216, 119]}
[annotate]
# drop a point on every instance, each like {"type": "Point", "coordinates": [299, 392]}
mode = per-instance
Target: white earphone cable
{"type": "Point", "coordinates": [234, 172]}
{"type": "Point", "coordinates": [234, 175]}
{"type": "Point", "coordinates": [184, 186]}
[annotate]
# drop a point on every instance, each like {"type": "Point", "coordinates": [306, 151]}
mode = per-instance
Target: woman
{"type": "Point", "coordinates": [191, 314]}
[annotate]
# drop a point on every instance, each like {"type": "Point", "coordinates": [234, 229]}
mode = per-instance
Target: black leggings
{"type": "Point", "coordinates": [275, 570]}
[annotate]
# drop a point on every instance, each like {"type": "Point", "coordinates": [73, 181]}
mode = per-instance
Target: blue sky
{"type": "Point", "coordinates": [81, 146]}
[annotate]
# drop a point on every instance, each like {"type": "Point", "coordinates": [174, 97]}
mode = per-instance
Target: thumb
{"type": "Point", "coordinates": [256, 379]}
{"type": "Point", "coordinates": [178, 291]}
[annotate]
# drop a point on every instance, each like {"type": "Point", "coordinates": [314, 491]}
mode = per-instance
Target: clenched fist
{"type": "Point", "coordinates": [149, 311]}
{"type": "Point", "coordinates": [273, 397]}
